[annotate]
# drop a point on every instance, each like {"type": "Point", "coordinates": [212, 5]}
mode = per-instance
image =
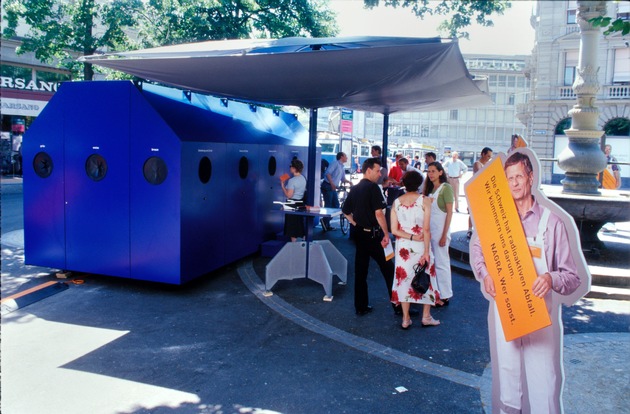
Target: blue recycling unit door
{"type": "Point", "coordinates": [151, 183]}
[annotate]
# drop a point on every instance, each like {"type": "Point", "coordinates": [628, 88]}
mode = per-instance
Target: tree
{"type": "Point", "coordinates": [461, 12]}
{"type": "Point", "coordinates": [611, 26]}
{"type": "Point", "coordinates": [63, 30]}
{"type": "Point", "coordinates": [165, 22]}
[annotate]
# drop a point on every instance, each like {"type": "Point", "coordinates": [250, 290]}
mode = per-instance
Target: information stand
{"type": "Point", "coordinates": [318, 260]}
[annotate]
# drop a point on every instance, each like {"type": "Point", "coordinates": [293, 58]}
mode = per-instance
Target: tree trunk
{"type": "Point", "coordinates": [88, 71]}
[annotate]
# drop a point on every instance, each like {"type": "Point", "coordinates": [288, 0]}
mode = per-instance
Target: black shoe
{"type": "Point", "coordinates": [441, 305]}
{"type": "Point", "coordinates": [365, 311]}
{"type": "Point", "coordinates": [331, 228]}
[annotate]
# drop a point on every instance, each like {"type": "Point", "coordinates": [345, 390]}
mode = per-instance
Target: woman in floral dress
{"type": "Point", "coordinates": [410, 220]}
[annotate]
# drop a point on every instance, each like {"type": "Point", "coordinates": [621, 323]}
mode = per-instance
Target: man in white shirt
{"type": "Point", "coordinates": [404, 165]}
{"type": "Point", "coordinates": [334, 176]}
{"type": "Point", "coordinates": [455, 168]}
{"type": "Point", "coordinates": [377, 153]}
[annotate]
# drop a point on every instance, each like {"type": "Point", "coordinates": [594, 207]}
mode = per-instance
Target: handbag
{"type": "Point", "coordinates": [420, 282]}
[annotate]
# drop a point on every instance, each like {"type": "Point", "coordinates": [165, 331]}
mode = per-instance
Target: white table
{"type": "Point", "coordinates": [318, 260]}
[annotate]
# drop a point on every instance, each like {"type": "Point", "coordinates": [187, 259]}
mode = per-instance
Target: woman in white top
{"type": "Point", "coordinates": [294, 190]}
{"type": "Point", "coordinates": [443, 198]}
{"type": "Point", "coordinates": [410, 223]}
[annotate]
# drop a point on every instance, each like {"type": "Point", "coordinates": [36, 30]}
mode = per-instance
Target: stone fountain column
{"type": "Point", "coordinates": [583, 159]}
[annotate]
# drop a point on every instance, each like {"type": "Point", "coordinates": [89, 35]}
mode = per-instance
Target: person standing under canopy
{"type": "Point", "coordinates": [334, 176]}
{"type": "Point", "coordinates": [294, 190]}
{"type": "Point", "coordinates": [364, 209]}
{"type": "Point", "coordinates": [411, 226]}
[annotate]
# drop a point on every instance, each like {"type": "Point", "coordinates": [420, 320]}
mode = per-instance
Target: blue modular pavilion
{"type": "Point", "coordinates": [152, 183]}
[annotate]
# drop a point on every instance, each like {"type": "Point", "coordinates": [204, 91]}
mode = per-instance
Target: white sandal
{"type": "Point", "coordinates": [426, 322]}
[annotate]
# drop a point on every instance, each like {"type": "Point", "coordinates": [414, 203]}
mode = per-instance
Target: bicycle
{"type": "Point", "coordinates": [342, 194]}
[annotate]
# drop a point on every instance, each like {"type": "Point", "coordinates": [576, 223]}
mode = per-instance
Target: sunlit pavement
{"type": "Point", "coordinates": [218, 346]}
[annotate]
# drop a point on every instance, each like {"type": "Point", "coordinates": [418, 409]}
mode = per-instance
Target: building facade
{"type": "Point", "coordinates": [466, 130]}
{"type": "Point", "coordinates": [552, 70]}
{"type": "Point", "coordinates": [26, 86]}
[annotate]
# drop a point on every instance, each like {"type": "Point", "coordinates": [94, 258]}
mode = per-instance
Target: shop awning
{"type": "Point", "coordinates": [376, 74]}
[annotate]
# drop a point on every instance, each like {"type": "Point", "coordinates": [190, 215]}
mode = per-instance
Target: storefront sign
{"type": "Point", "coordinates": [24, 107]}
{"type": "Point", "coordinates": [26, 84]}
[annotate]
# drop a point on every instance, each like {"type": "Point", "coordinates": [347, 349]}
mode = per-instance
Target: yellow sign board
{"type": "Point", "coordinates": [609, 180]}
{"type": "Point", "coordinates": [507, 254]}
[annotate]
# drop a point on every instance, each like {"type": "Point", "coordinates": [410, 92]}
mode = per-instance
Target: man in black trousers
{"type": "Point", "coordinates": [364, 209]}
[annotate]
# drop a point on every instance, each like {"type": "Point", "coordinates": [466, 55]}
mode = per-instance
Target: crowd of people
{"type": "Point", "coordinates": [422, 198]}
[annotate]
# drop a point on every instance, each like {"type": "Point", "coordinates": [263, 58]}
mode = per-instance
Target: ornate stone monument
{"type": "Point", "coordinates": [583, 158]}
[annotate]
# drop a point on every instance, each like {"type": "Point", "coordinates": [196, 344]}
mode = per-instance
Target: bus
{"type": "Point", "coordinates": [467, 157]}
{"type": "Point", "coordinates": [410, 150]}
{"type": "Point", "coordinates": [356, 150]}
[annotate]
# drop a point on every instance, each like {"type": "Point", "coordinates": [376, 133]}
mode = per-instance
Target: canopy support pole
{"type": "Point", "coordinates": [385, 139]}
{"type": "Point", "coordinates": [312, 158]}
{"type": "Point", "coordinates": [310, 178]}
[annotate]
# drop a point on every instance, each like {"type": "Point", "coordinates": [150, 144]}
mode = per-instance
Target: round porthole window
{"type": "Point", "coordinates": [243, 168]}
{"type": "Point", "coordinates": [205, 170]}
{"type": "Point", "coordinates": [155, 170]}
{"type": "Point", "coordinates": [271, 166]}
{"type": "Point", "coordinates": [96, 167]}
{"type": "Point", "coordinates": [42, 164]}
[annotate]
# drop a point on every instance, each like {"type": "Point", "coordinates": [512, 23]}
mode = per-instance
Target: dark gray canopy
{"type": "Point", "coordinates": [375, 74]}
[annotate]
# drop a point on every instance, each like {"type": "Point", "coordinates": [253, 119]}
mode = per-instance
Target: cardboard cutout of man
{"type": "Point", "coordinates": [527, 372]}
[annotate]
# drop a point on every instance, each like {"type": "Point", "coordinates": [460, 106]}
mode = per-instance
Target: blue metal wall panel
{"type": "Point", "coordinates": [154, 203]}
{"type": "Point", "coordinates": [97, 212]}
{"type": "Point", "coordinates": [44, 211]}
{"type": "Point", "coordinates": [205, 219]}
{"type": "Point", "coordinates": [244, 232]}
{"type": "Point", "coordinates": [269, 190]}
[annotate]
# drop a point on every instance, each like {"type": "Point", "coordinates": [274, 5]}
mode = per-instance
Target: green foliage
{"type": "Point", "coordinates": [62, 30]}
{"type": "Point", "coordinates": [562, 125]}
{"type": "Point", "coordinates": [165, 22]}
{"type": "Point", "coordinates": [617, 127]}
{"type": "Point", "coordinates": [461, 12]}
{"type": "Point", "coordinates": [611, 26]}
